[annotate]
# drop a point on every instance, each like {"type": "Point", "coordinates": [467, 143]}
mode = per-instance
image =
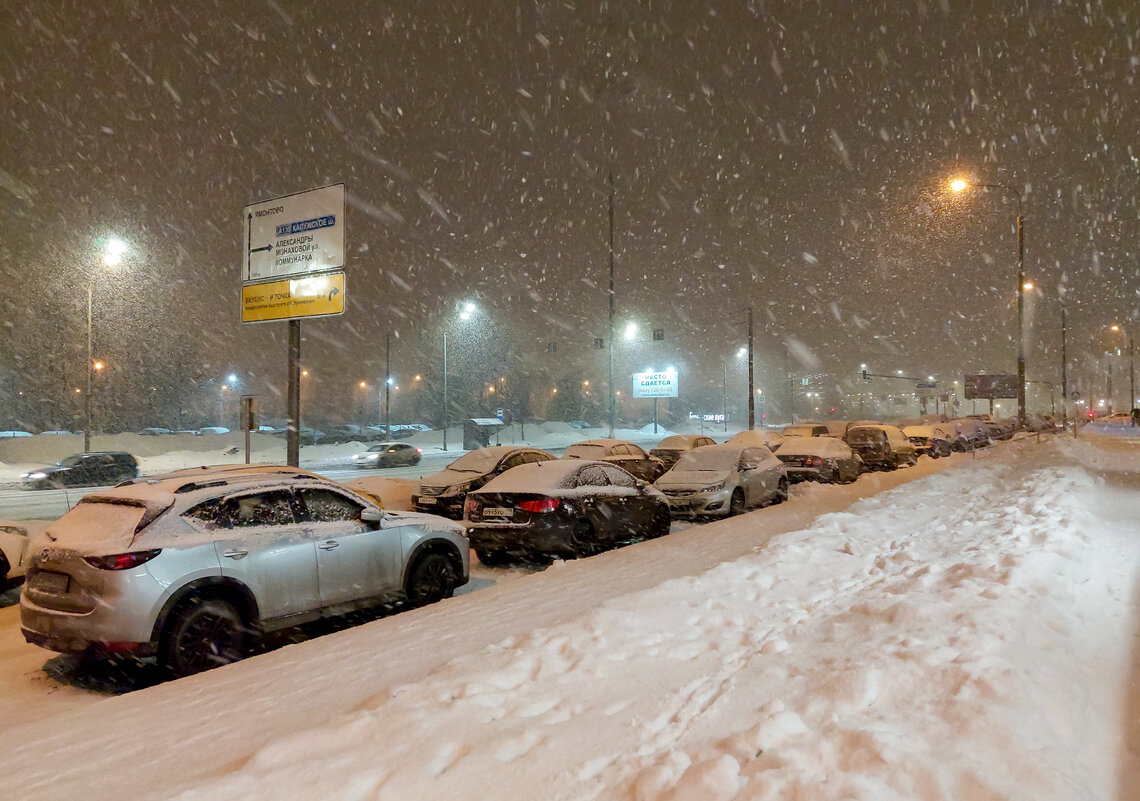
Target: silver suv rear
{"type": "Point", "coordinates": [194, 566]}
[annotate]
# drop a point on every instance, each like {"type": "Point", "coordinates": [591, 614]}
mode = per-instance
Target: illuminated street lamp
{"type": "Point", "coordinates": [113, 250]}
{"type": "Point", "coordinates": [1116, 328]}
{"type": "Point", "coordinates": [960, 185]}
{"type": "Point", "coordinates": [468, 311]}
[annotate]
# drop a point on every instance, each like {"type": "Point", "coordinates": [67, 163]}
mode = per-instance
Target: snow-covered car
{"type": "Point", "coordinates": [194, 565]}
{"type": "Point", "coordinates": [932, 441]}
{"type": "Point", "coordinates": [772, 440]}
{"type": "Point", "coordinates": [153, 431]}
{"type": "Point", "coordinates": [13, 434]}
{"type": "Point", "coordinates": [825, 459]}
{"type": "Point", "coordinates": [13, 553]}
{"type": "Point", "coordinates": [561, 508]}
{"type": "Point", "coordinates": [444, 492]}
{"type": "Point", "coordinates": [884, 447]}
{"type": "Point", "coordinates": [97, 469]}
{"type": "Point", "coordinates": [213, 430]}
{"type": "Point", "coordinates": [721, 480]}
{"type": "Point", "coordinates": [626, 455]}
{"type": "Point", "coordinates": [672, 448]}
{"type": "Point", "coordinates": [388, 454]}
{"type": "Point", "coordinates": [806, 430]}
{"type": "Point", "coordinates": [967, 433]}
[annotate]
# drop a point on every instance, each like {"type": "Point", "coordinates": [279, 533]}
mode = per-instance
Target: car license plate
{"type": "Point", "coordinates": [498, 511]}
{"type": "Point", "coordinates": [426, 501]}
{"type": "Point", "coordinates": [51, 582]}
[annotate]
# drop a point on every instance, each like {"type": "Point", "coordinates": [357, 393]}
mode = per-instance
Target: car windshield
{"type": "Point", "coordinates": [866, 435]}
{"type": "Point", "coordinates": [475, 462]}
{"type": "Point", "coordinates": [708, 459]}
{"type": "Point", "coordinates": [70, 461]}
{"type": "Point", "coordinates": [586, 451]}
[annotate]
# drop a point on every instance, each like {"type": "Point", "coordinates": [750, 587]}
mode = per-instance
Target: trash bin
{"type": "Point", "coordinates": [477, 432]}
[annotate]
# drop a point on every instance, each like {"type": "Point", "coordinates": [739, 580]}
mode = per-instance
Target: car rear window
{"type": "Point", "coordinates": [99, 525]}
{"type": "Point", "coordinates": [866, 435]}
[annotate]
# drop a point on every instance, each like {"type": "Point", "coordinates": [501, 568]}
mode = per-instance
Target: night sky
{"type": "Point", "coordinates": [792, 156]}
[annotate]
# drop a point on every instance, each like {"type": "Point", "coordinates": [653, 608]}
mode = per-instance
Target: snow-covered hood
{"type": "Point", "coordinates": [691, 479]}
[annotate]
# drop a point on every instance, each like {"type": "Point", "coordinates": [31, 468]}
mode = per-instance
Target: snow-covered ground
{"type": "Point", "coordinates": [971, 635]}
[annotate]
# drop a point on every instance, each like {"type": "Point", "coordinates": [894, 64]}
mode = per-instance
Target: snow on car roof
{"type": "Point", "coordinates": [752, 437]}
{"type": "Point", "coordinates": [710, 457]}
{"type": "Point", "coordinates": [680, 441]}
{"type": "Point", "coordinates": [814, 446]}
{"type": "Point", "coordinates": [924, 431]}
{"type": "Point", "coordinates": [537, 476]}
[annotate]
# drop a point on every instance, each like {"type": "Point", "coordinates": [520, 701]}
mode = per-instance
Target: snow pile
{"type": "Point", "coordinates": [969, 635]}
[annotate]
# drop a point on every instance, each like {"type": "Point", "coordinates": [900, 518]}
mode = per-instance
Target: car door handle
{"type": "Point", "coordinates": [329, 546]}
{"type": "Point", "coordinates": [235, 554]}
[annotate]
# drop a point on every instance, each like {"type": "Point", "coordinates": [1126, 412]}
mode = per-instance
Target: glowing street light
{"type": "Point", "coordinates": [959, 185]}
{"type": "Point", "coordinates": [631, 331]}
{"type": "Point", "coordinates": [113, 250]}
{"type": "Point", "coordinates": [468, 311]}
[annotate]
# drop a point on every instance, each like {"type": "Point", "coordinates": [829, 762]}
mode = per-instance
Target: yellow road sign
{"type": "Point", "coordinates": [318, 296]}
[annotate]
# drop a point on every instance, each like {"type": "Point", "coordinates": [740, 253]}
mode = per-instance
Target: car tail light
{"type": "Point", "coordinates": [122, 561]}
{"type": "Point", "coordinates": [469, 506]}
{"type": "Point", "coordinates": [541, 505]}
{"type": "Point", "coordinates": [419, 450]}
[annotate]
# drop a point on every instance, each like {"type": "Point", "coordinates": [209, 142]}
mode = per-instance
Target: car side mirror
{"type": "Point", "coordinates": [749, 466]}
{"type": "Point", "coordinates": [640, 484]}
{"type": "Point", "coordinates": [372, 516]}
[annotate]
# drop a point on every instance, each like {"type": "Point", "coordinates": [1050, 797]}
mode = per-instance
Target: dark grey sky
{"type": "Point", "coordinates": [789, 155]}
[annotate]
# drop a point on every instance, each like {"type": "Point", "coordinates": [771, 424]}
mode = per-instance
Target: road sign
{"type": "Point", "coordinates": [291, 235]}
{"type": "Point", "coordinates": [990, 386]}
{"type": "Point", "coordinates": [655, 385]}
{"type": "Point", "coordinates": [318, 296]}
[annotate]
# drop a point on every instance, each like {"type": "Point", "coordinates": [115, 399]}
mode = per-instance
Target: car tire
{"type": "Point", "coordinates": [203, 633]}
{"type": "Point", "coordinates": [584, 538]}
{"type": "Point", "coordinates": [662, 522]}
{"type": "Point", "coordinates": [781, 492]}
{"type": "Point", "coordinates": [736, 504]}
{"type": "Point", "coordinates": [431, 579]}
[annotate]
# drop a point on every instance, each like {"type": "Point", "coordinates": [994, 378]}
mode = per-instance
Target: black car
{"type": "Point", "coordinates": [561, 508]}
{"type": "Point", "coordinates": [443, 493]}
{"type": "Point", "coordinates": [100, 469]}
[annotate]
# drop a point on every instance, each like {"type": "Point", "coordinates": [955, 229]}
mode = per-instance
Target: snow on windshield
{"type": "Point", "coordinates": [479, 461]}
{"type": "Point", "coordinates": [814, 446]}
{"type": "Point", "coordinates": [709, 458]}
{"type": "Point", "coordinates": [586, 451]}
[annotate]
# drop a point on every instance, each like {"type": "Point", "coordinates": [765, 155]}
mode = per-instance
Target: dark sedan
{"type": "Point", "coordinates": [620, 453]}
{"type": "Point", "coordinates": [824, 459]}
{"type": "Point", "coordinates": [443, 493]}
{"type": "Point", "coordinates": [83, 470]}
{"type": "Point", "coordinates": [560, 509]}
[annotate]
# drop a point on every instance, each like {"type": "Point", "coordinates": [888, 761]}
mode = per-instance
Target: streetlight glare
{"type": "Point", "coordinates": [958, 184]}
{"type": "Point", "coordinates": [232, 378]}
{"type": "Point", "coordinates": [113, 252]}
{"type": "Point", "coordinates": [1027, 285]}
{"type": "Point", "coordinates": [740, 354]}
{"type": "Point", "coordinates": [631, 331]}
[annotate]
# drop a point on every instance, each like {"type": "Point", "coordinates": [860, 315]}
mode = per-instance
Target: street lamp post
{"type": "Point", "coordinates": [958, 186]}
{"type": "Point", "coordinates": [468, 310]}
{"type": "Point", "coordinates": [112, 254]}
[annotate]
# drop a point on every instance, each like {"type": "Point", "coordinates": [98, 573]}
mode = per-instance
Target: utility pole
{"type": "Point", "coordinates": [751, 376]}
{"type": "Point", "coordinates": [610, 339]}
{"type": "Point", "coordinates": [724, 397]}
{"type": "Point", "coordinates": [1065, 370]}
{"type": "Point", "coordinates": [387, 383]}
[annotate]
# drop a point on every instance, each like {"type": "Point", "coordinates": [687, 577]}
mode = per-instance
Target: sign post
{"type": "Point", "coordinates": [653, 384]}
{"type": "Point", "coordinates": [293, 267]}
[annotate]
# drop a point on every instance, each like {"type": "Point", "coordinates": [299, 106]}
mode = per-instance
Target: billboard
{"type": "Point", "coordinates": [989, 387]}
{"type": "Point", "coordinates": [652, 384]}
